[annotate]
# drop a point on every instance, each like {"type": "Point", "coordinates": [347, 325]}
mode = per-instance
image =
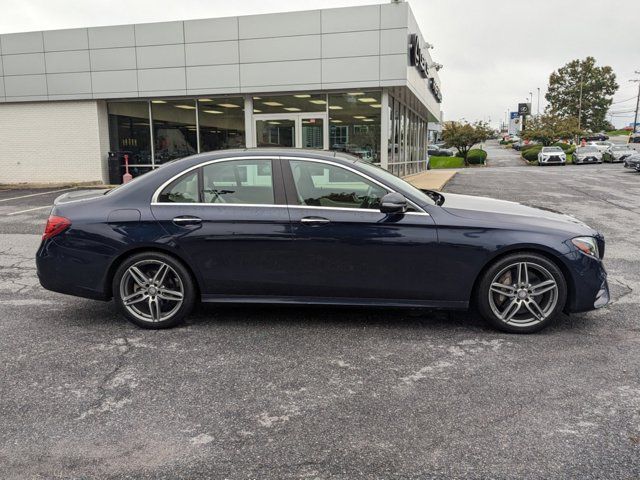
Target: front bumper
{"type": "Point", "coordinates": [582, 160]}
{"type": "Point", "coordinates": [589, 288]}
{"type": "Point", "coordinates": [554, 159]}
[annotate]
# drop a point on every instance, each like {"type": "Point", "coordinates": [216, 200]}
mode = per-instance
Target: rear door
{"type": "Point", "coordinates": [230, 219]}
{"type": "Point", "coordinates": [345, 247]}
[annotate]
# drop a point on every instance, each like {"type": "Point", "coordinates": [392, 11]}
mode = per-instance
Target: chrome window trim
{"type": "Point", "coordinates": [156, 194]}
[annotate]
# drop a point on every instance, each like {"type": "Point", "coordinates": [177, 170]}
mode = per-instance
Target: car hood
{"type": "Point", "coordinates": [619, 153]}
{"type": "Point", "coordinates": [502, 211]}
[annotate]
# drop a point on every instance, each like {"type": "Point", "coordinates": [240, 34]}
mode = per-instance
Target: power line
{"type": "Point", "coordinates": [622, 101]}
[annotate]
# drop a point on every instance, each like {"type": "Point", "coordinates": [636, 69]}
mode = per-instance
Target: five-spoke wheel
{"type": "Point", "coordinates": [521, 293]}
{"type": "Point", "coordinates": [153, 290]}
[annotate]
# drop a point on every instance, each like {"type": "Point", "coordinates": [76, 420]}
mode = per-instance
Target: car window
{"type": "Point", "coordinates": [552, 149]}
{"type": "Point", "coordinates": [247, 181]}
{"type": "Point", "coordinates": [182, 190]}
{"type": "Point", "coordinates": [586, 149]}
{"type": "Point", "coordinates": [325, 185]}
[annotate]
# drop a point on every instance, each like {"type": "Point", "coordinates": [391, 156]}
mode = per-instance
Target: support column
{"type": "Point", "coordinates": [385, 122]}
{"type": "Point", "coordinates": [249, 134]}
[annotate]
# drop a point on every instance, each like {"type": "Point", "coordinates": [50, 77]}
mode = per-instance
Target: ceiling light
{"type": "Point", "coordinates": [368, 119]}
{"type": "Point", "coordinates": [186, 107]}
{"type": "Point", "coordinates": [336, 121]}
{"type": "Point", "coordinates": [255, 110]}
{"type": "Point", "coordinates": [257, 98]}
{"type": "Point", "coordinates": [368, 100]}
{"type": "Point", "coordinates": [158, 101]}
{"type": "Point", "coordinates": [355, 94]}
{"type": "Point", "coordinates": [318, 102]}
{"type": "Point", "coordinates": [359, 117]}
{"type": "Point", "coordinates": [274, 123]}
{"type": "Point", "coordinates": [204, 100]}
{"type": "Point", "coordinates": [228, 105]}
{"type": "Point", "coordinates": [335, 107]}
{"type": "Point", "coordinates": [213, 111]}
{"type": "Point", "coordinates": [272, 104]}
{"type": "Point", "coordinates": [376, 105]}
{"type": "Point", "coordinates": [291, 109]}
{"type": "Point", "coordinates": [303, 95]}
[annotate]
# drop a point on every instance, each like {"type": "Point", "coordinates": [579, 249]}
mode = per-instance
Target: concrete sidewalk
{"type": "Point", "coordinates": [431, 179]}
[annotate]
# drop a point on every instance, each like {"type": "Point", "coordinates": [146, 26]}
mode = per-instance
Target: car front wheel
{"type": "Point", "coordinates": [521, 293]}
{"type": "Point", "coordinates": [154, 290]}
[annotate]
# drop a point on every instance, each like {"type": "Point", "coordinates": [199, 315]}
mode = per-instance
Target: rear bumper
{"type": "Point", "coordinates": [61, 270]}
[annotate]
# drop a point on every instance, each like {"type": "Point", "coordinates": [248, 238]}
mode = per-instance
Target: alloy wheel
{"type": "Point", "coordinates": [151, 290]}
{"type": "Point", "coordinates": [523, 294]}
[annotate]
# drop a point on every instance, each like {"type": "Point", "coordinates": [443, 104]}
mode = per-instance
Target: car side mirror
{"type": "Point", "coordinates": [393, 203]}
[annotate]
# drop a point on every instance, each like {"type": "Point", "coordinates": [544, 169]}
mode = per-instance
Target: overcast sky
{"type": "Point", "coordinates": [494, 52]}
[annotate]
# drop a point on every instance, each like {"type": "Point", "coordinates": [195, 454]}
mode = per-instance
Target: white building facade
{"type": "Point", "coordinates": [356, 79]}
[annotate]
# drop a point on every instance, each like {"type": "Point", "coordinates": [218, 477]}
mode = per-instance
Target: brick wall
{"type": "Point", "coordinates": [52, 142]}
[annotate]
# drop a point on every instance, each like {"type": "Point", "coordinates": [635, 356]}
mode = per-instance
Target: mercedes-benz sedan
{"type": "Point", "coordinates": [308, 227]}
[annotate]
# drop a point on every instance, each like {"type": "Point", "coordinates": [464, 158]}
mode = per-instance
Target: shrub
{"type": "Point", "coordinates": [528, 146]}
{"type": "Point", "coordinates": [564, 146]}
{"type": "Point", "coordinates": [531, 154]}
{"type": "Point", "coordinates": [476, 156]}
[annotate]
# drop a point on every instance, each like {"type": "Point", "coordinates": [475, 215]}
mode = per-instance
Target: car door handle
{"type": "Point", "coordinates": [314, 221]}
{"type": "Point", "coordinates": [187, 220]}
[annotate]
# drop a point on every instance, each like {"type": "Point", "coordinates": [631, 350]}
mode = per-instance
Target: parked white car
{"type": "Point", "coordinates": [552, 156]}
{"type": "Point", "coordinates": [617, 153]}
{"type": "Point", "coordinates": [588, 154]}
{"type": "Point", "coordinates": [602, 146]}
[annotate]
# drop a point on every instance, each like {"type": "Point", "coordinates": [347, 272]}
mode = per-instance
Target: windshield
{"type": "Point", "coordinates": [587, 150]}
{"type": "Point", "coordinates": [394, 182]}
{"type": "Point", "coordinates": [619, 148]}
{"type": "Point", "coordinates": [552, 149]}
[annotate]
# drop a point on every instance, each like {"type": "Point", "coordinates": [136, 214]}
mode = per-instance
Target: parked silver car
{"type": "Point", "coordinates": [602, 146]}
{"type": "Point", "coordinates": [617, 153]}
{"type": "Point", "coordinates": [552, 155]}
{"type": "Point", "coordinates": [633, 162]}
{"type": "Point", "coordinates": [587, 154]}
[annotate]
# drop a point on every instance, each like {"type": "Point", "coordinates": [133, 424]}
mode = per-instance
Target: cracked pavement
{"type": "Point", "coordinates": [318, 393]}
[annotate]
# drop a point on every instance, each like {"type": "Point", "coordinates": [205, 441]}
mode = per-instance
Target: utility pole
{"type": "Point", "coordinates": [635, 118]}
{"type": "Point", "coordinates": [580, 102]}
{"type": "Point", "coordinates": [538, 110]}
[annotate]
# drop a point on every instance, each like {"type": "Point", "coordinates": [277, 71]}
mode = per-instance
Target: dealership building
{"type": "Point", "coordinates": [355, 79]}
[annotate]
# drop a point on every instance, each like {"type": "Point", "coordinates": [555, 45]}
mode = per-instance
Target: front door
{"type": "Point", "coordinates": [345, 247]}
{"type": "Point", "coordinates": [230, 220]}
{"type": "Point", "coordinates": [299, 130]}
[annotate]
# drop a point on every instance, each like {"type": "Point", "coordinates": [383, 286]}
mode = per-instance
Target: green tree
{"type": "Point", "coordinates": [582, 90]}
{"type": "Point", "coordinates": [463, 136]}
{"type": "Point", "coordinates": [549, 128]}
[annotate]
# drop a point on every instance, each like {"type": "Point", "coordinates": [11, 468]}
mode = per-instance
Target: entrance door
{"type": "Point", "coordinates": [301, 130]}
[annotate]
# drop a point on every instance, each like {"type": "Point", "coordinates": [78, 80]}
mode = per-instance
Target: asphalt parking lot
{"type": "Point", "coordinates": [317, 393]}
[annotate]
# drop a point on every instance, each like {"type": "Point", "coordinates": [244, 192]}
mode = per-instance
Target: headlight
{"type": "Point", "coordinates": [586, 245]}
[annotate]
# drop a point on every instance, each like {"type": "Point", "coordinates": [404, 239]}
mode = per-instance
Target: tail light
{"type": "Point", "coordinates": [55, 225]}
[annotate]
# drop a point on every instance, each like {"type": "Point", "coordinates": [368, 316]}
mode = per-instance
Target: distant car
{"type": "Point", "coordinates": [588, 154]}
{"type": "Point", "coordinates": [634, 141]}
{"type": "Point", "coordinates": [439, 151]}
{"type": "Point", "coordinates": [602, 146]}
{"type": "Point", "coordinates": [593, 137]}
{"type": "Point", "coordinates": [552, 155]}
{"type": "Point", "coordinates": [519, 145]}
{"type": "Point", "coordinates": [617, 153]}
{"type": "Point", "coordinates": [633, 162]}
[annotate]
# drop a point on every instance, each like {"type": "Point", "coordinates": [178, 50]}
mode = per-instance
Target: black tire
{"type": "Point", "coordinates": [178, 312]}
{"type": "Point", "coordinates": [534, 260]}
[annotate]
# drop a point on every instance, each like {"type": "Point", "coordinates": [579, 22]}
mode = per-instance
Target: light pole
{"type": "Point", "coordinates": [530, 98]}
{"type": "Point", "coordinates": [635, 118]}
{"type": "Point", "coordinates": [538, 110]}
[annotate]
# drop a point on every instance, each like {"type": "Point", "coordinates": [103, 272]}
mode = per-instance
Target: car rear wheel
{"type": "Point", "coordinates": [521, 293]}
{"type": "Point", "coordinates": [154, 290]}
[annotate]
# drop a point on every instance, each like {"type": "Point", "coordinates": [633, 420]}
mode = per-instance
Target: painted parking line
{"type": "Point", "coordinates": [37, 194]}
{"type": "Point", "coordinates": [28, 210]}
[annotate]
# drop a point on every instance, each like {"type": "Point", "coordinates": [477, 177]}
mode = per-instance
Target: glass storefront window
{"type": "Point", "coordinates": [221, 123]}
{"type": "Point", "coordinates": [129, 133]}
{"type": "Point", "coordinates": [299, 102]}
{"type": "Point", "coordinates": [174, 129]}
{"type": "Point", "coordinates": [355, 124]}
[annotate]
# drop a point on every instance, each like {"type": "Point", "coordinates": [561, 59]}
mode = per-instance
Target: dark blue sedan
{"type": "Point", "coordinates": [309, 227]}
